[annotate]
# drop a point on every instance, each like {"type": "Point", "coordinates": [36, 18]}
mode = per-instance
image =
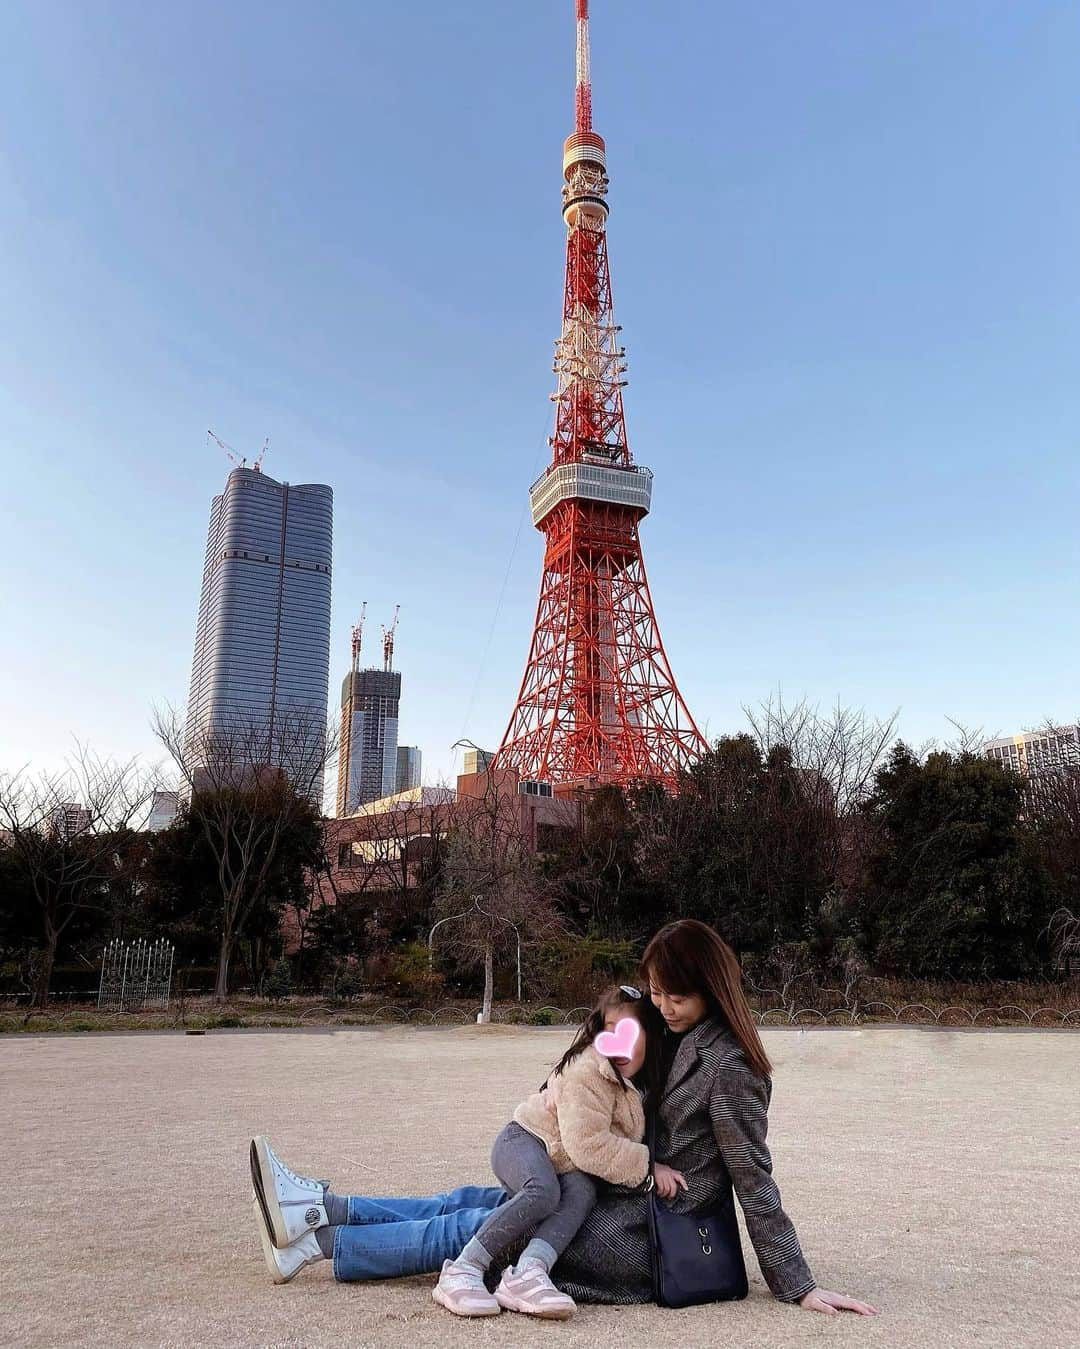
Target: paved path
{"type": "Point", "coordinates": [937, 1175]}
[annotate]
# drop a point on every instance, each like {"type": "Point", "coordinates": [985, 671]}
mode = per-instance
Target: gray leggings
{"type": "Point", "coordinates": [559, 1204]}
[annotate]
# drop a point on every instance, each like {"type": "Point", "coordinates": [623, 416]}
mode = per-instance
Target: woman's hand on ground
{"type": "Point", "coordinates": [821, 1300]}
{"type": "Point", "coordinates": [668, 1181]}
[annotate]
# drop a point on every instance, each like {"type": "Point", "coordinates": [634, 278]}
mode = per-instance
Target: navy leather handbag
{"type": "Point", "coordinates": [696, 1258]}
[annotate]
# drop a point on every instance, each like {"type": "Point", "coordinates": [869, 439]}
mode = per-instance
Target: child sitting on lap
{"type": "Point", "coordinates": [546, 1156]}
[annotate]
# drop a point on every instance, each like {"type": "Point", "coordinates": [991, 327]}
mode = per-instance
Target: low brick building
{"type": "Point", "coordinates": [382, 846]}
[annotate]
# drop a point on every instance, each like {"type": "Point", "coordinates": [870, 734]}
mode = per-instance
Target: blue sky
{"type": "Point", "coordinates": [843, 243]}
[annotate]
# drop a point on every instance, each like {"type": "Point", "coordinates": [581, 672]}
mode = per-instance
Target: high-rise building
{"type": "Point", "coordinates": [408, 768]}
{"type": "Point", "coordinates": [370, 764]}
{"type": "Point", "coordinates": [163, 810]}
{"type": "Point", "coordinates": [477, 760]}
{"type": "Point", "coordinates": [1036, 752]}
{"type": "Point", "coordinates": [368, 753]}
{"type": "Point", "coordinates": [68, 820]}
{"type": "Point", "coordinates": [260, 676]}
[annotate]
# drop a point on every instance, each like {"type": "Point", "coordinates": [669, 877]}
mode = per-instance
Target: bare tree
{"type": "Point", "coordinates": [1052, 809]}
{"type": "Point", "coordinates": [493, 897]}
{"type": "Point", "coordinates": [1064, 934]}
{"type": "Point", "coordinates": [966, 739]}
{"type": "Point", "coordinates": [400, 842]}
{"type": "Point", "coordinates": [393, 847]}
{"type": "Point", "coordinates": [839, 752]}
{"type": "Point", "coordinates": [837, 755]}
{"type": "Point", "coordinates": [245, 806]}
{"type": "Point", "coordinates": [62, 828]}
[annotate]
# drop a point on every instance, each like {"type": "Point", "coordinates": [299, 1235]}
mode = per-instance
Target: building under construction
{"type": "Point", "coordinates": [370, 763]}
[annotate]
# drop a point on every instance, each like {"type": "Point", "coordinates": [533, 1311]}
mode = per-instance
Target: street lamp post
{"type": "Point", "coordinates": [497, 916]}
{"type": "Point", "coordinates": [431, 937]}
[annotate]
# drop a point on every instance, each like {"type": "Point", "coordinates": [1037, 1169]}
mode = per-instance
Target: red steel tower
{"type": "Point", "coordinates": [598, 701]}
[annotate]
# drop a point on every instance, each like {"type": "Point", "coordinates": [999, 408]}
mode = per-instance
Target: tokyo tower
{"type": "Point", "coordinates": [598, 702]}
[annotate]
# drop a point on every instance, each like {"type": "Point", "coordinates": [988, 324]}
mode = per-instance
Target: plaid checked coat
{"type": "Point", "coordinates": [712, 1124]}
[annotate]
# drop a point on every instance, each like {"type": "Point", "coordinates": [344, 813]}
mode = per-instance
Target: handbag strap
{"type": "Point", "coordinates": [650, 1211]}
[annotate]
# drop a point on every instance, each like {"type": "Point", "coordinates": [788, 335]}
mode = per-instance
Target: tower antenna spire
{"type": "Point", "coordinates": [583, 91]}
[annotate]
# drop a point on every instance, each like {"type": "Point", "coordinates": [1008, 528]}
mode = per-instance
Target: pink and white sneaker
{"type": "Point", "coordinates": [532, 1292]}
{"type": "Point", "coordinates": [461, 1290]}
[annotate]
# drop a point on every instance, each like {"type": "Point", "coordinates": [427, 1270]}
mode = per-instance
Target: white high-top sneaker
{"type": "Point", "coordinates": [291, 1204]}
{"type": "Point", "coordinates": [285, 1264]}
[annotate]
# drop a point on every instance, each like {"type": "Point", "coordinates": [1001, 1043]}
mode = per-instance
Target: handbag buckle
{"type": "Point", "coordinates": [703, 1233]}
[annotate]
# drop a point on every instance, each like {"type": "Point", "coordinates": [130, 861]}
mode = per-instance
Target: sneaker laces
{"type": "Point", "coordinates": [300, 1181]}
{"type": "Point", "coordinates": [462, 1276]}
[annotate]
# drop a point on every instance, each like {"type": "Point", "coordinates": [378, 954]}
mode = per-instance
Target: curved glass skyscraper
{"type": "Point", "coordinates": [260, 676]}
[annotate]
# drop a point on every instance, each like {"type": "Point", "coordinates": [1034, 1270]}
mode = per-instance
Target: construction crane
{"type": "Point", "coordinates": [358, 637]}
{"type": "Point", "coordinates": [239, 460]}
{"type": "Point", "coordinates": [230, 453]}
{"type": "Point", "coordinates": [388, 640]}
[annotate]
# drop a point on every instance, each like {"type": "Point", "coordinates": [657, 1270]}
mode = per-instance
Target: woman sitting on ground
{"type": "Point", "coordinates": [711, 1126]}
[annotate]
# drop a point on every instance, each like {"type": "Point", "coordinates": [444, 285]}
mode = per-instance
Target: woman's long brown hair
{"type": "Point", "coordinates": [689, 958]}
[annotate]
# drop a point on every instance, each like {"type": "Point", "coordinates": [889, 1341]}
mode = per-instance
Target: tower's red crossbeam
{"type": "Point", "coordinates": [598, 701]}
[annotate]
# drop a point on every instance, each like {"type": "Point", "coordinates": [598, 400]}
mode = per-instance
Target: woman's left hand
{"type": "Point", "coordinates": [821, 1300]}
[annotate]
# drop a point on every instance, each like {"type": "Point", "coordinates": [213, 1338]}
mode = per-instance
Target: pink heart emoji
{"type": "Point", "coordinates": [620, 1042]}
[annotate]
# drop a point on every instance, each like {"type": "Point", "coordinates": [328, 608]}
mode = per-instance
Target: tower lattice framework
{"type": "Point", "coordinates": [598, 701]}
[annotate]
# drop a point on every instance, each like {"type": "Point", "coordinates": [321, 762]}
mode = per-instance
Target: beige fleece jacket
{"type": "Point", "coordinates": [597, 1126]}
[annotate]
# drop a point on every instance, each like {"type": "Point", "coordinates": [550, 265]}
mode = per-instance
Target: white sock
{"type": "Point", "coordinates": [538, 1252]}
{"type": "Point", "coordinates": [475, 1256]}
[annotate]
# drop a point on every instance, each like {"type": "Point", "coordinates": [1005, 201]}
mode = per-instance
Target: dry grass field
{"type": "Point", "coordinates": [934, 1172]}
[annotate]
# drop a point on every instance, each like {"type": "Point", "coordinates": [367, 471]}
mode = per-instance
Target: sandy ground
{"type": "Point", "coordinates": [936, 1174]}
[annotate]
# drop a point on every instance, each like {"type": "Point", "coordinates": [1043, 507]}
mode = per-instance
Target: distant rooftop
{"type": "Point", "coordinates": [414, 796]}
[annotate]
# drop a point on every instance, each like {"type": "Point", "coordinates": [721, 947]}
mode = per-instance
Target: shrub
{"type": "Point", "coordinates": [349, 982]}
{"type": "Point", "coordinates": [404, 973]}
{"type": "Point", "coordinates": [572, 970]}
{"type": "Point", "coordinates": [279, 981]}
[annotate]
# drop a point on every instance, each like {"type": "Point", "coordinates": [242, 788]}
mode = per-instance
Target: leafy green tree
{"type": "Point", "coordinates": [279, 981]}
{"type": "Point", "coordinates": [223, 874]}
{"type": "Point", "coordinates": [747, 844]}
{"type": "Point", "coordinates": [595, 871]}
{"type": "Point", "coordinates": [19, 925]}
{"type": "Point", "coordinates": [956, 888]}
{"type": "Point", "coordinates": [252, 789]}
{"type": "Point", "coordinates": [63, 830]}
{"type": "Point", "coordinates": [339, 939]}
{"type": "Point", "coordinates": [181, 896]}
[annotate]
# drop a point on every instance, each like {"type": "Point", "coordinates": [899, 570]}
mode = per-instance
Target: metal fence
{"type": "Point", "coordinates": [136, 976]}
{"type": "Point", "coordinates": [139, 980]}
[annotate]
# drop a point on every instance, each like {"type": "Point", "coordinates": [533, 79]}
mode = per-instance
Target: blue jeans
{"type": "Point", "coordinates": [386, 1238]}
